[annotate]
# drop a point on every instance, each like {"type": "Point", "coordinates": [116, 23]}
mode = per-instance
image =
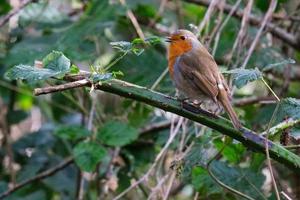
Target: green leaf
{"type": "Point", "coordinates": [289, 108]}
{"type": "Point", "coordinates": [41, 13]}
{"type": "Point", "coordinates": [101, 77]}
{"type": "Point", "coordinates": [117, 133]}
{"type": "Point", "coordinates": [4, 7]}
{"type": "Point", "coordinates": [203, 183]}
{"type": "Point", "coordinates": [74, 69]}
{"type": "Point", "coordinates": [72, 132]}
{"type": "Point", "coordinates": [122, 46]}
{"type": "Point", "coordinates": [242, 179]}
{"type": "Point", "coordinates": [153, 40]}
{"type": "Point", "coordinates": [16, 116]}
{"type": "Point", "coordinates": [29, 73]}
{"type": "Point", "coordinates": [242, 77]}
{"type": "Point", "coordinates": [136, 46]}
{"type": "Point", "coordinates": [276, 65]}
{"type": "Point", "coordinates": [57, 61]}
{"type": "Point", "coordinates": [55, 65]}
{"type": "Point", "coordinates": [232, 152]}
{"type": "Point", "coordinates": [88, 154]}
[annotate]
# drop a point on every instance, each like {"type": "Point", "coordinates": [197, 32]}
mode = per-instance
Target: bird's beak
{"type": "Point", "coordinates": [168, 39]}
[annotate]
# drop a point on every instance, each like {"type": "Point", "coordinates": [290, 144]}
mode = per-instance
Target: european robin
{"type": "Point", "coordinates": [196, 74]}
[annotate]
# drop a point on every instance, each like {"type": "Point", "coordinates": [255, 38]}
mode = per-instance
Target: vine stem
{"type": "Point", "coordinates": [267, 137]}
{"type": "Point", "coordinates": [275, 95]}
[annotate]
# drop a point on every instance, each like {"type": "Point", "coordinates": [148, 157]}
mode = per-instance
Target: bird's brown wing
{"type": "Point", "coordinates": [202, 71]}
{"type": "Point", "coordinates": [200, 68]}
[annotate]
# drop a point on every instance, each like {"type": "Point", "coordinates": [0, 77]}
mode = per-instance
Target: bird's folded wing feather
{"type": "Point", "coordinates": [203, 72]}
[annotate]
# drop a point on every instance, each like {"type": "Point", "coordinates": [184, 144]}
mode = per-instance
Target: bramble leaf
{"type": "Point", "coordinates": [117, 133]}
{"type": "Point", "coordinates": [88, 154]}
{"type": "Point", "coordinates": [289, 108]}
{"type": "Point", "coordinates": [55, 65]}
{"type": "Point", "coordinates": [241, 77]}
{"type": "Point", "coordinates": [71, 132]}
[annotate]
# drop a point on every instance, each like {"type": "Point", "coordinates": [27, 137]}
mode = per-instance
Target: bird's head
{"type": "Point", "coordinates": [181, 41]}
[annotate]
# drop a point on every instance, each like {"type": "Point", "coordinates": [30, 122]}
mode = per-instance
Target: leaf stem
{"type": "Point", "coordinates": [275, 95]}
{"type": "Point", "coordinates": [116, 60]}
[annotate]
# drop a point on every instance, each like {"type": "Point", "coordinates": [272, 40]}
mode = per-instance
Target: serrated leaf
{"type": "Point", "coordinates": [72, 132]}
{"type": "Point", "coordinates": [295, 132]}
{"type": "Point", "coordinates": [41, 13]}
{"type": "Point", "coordinates": [276, 65]}
{"type": "Point", "coordinates": [289, 108]}
{"type": "Point", "coordinates": [116, 133]}
{"type": "Point", "coordinates": [241, 179]}
{"type": "Point", "coordinates": [101, 77]}
{"type": "Point", "coordinates": [122, 46]}
{"type": "Point", "coordinates": [241, 77]}
{"type": "Point", "coordinates": [57, 61]}
{"type": "Point", "coordinates": [153, 40]}
{"type": "Point", "coordinates": [55, 65]}
{"type": "Point", "coordinates": [232, 152]}
{"type": "Point", "coordinates": [74, 69]}
{"type": "Point", "coordinates": [203, 183]}
{"type": "Point", "coordinates": [29, 73]}
{"type": "Point", "coordinates": [136, 46]}
{"type": "Point", "coordinates": [88, 154]}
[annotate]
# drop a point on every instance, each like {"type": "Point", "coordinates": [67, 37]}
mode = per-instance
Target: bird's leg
{"type": "Point", "coordinates": [195, 108]}
{"type": "Point", "coordinates": [197, 103]}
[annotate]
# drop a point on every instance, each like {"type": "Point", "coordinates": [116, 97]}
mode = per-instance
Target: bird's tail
{"type": "Point", "coordinates": [229, 109]}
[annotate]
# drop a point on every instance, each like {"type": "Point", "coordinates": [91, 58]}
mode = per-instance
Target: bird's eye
{"type": "Point", "coordinates": [182, 37]}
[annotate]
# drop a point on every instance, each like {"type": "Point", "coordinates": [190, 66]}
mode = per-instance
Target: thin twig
{"type": "Point", "coordinates": [171, 181]}
{"type": "Point", "coordinates": [133, 20]}
{"type": "Point", "coordinates": [220, 182]}
{"type": "Point", "coordinates": [243, 29]}
{"type": "Point", "coordinates": [159, 79]}
{"type": "Point", "coordinates": [158, 157]}
{"type": "Point", "coordinates": [15, 11]}
{"type": "Point", "coordinates": [268, 153]}
{"type": "Point", "coordinates": [278, 32]}
{"type": "Point", "coordinates": [285, 195]}
{"type": "Point", "coordinates": [254, 100]}
{"type": "Point", "coordinates": [62, 87]}
{"type": "Point", "coordinates": [80, 192]}
{"type": "Point", "coordinates": [207, 16]}
{"type": "Point", "coordinates": [38, 177]}
{"type": "Point", "coordinates": [259, 32]}
{"type": "Point", "coordinates": [155, 127]}
{"type": "Point", "coordinates": [272, 91]}
{"type": "Point", "coordinates": [267, 138]}
{"type": "Point", "coordinates": [293, 146]}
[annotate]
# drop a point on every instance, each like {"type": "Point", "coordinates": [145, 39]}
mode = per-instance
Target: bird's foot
{"type": "Point", "coordinates": [195, 108]}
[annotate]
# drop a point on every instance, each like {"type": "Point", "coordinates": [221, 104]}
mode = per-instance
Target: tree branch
{"type": "Point", "coordinates": [256, 21]}
{"type": "Point", "coordinates": [6, 18]}
{"type": "Point", "coordinates": [170, 104]}
{"type": "Point", "coordinates": [38, 177]}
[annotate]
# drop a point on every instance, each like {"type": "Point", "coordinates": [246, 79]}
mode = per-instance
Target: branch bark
{"type": "Point", "coordinates": [40, 176]}
{"type": "Point", "coordinates": [170, 104]}
{"type": "Point", "coordinates": [278, 32]}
